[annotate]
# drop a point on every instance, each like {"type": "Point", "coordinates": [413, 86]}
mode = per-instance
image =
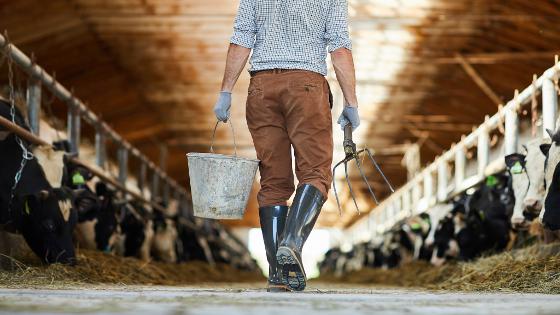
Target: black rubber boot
{"type": "Point", "coordinates": [302, 216]}
{"type": "Point", "coordinates": [273, 219]}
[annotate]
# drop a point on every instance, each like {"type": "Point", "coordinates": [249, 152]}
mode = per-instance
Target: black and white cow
{"type": "Point", "coordinates": [550, 214]}
{"type": "Point", "coordinates": [164, 239]}
{"type": "Point", "coordinates": [527, 181]}
{"type": "Point", "coordinates": [40, 208]}
{"type": "Point", "coordinates": [138, 232]}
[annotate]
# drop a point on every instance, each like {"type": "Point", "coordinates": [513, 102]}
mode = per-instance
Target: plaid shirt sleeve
{"type": "Point", "coordinates": [245, 28]}
{"type": "Point", "coordinates": [337, 27]}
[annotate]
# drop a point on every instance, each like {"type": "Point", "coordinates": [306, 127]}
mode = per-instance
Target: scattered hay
{"type": "Point", "coordinates": [535, 269]}
{"type": "Point", "coordinates": [99, 268]}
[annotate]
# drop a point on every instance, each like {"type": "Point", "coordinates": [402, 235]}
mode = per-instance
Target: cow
{"type": "Point", "coordinates": [137, 230]}
{"type": "Point", "coordinates": [189, 244]}
{"type": "Point", "coordinates": [106, 223]}
{"type": "Point", "coordinates": [527, 177]}
{"type": "Point", "coordinates": [38, 207]}
{"type": "Point", "coordinates": [164, 239]}
{"type": "Point", "coordinates": [550, 214]}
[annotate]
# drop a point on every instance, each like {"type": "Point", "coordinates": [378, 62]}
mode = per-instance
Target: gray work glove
{"type": "Point", "coordinates": [349, 116]}
{"type": "Point", "coordinates": [221, 109]}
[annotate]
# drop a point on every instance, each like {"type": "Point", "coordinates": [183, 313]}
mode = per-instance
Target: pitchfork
{"type": "Point", "coordinates": [351, 153]}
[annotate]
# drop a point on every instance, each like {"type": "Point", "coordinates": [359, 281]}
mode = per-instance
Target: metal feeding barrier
{"type": "Point", "coordinates": [496, 137]}
{"type": "Point", "coordinates": [162, 185]}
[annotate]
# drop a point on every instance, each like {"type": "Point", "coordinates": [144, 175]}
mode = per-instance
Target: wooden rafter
{"type": "Point", "coordinates": [482, 84]}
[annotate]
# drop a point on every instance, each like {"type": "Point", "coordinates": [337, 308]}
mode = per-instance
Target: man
{"type": "Point", "coordinates": [288, 106]}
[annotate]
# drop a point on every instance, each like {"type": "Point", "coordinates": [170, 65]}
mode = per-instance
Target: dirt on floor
{"type": "Point", "coordinates": [95, 267]}
{"type": "Point", "coordinates": [535, 269]}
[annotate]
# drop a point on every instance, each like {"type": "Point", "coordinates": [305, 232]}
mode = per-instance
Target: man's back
{"type": "Point", "coordinates": [291, 34]}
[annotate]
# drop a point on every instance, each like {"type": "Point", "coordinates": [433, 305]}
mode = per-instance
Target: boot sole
{"type": "Point", "coordinates": [293, 274]}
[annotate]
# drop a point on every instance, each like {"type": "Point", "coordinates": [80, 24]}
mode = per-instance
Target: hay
{"type": "Point", "coordinates": [535, 269]}
{"type": "Point", "coordinates": [99, 268]}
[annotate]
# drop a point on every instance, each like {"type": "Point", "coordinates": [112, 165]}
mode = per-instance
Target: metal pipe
{"type": "Point", "coordinates": [100, 148]}
{"type": "Point", "coordinates": [34, 104]}
{"type": "Point", "coordinates": [74, 129]}
{"type": "Point", "coordinates": [483, 151]}
{"type": "Point", "coordinates": [155, 185]}
{"type": "Point", "coordinates": [123, 165]}
{"type": "Point", "coordinates": [550, 107]}
{"type": "Point", "coordinates": [428, 186]}
{"type": "Point", "coordinates": [142, 176]}
{"type": "Point", "coordinates": [442, 173]}
{"type": "Point", "coordinates": [511, 137]}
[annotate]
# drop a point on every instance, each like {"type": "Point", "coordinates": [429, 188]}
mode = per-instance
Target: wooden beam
{"type": "Point", "coordinates": [496, 57]}
{"type": "Point", "coordinates": [475, 76]}
{"type": "Point", "coordinates": [425, 137]}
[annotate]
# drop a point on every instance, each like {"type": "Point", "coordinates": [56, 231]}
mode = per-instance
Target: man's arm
{"type": "Point", "coordinates": [237, 57]}
{"type": "Point", "coordinates": [343, 64]}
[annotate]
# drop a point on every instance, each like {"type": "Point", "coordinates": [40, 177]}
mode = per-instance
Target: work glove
{"type": "Point", "coordinates": [349, 116]}
{"type": "Point", "coordinates": [221, 109]}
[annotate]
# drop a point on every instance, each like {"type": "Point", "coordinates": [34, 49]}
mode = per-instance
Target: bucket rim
{"type": "Point", "coordinates": [220, 156]}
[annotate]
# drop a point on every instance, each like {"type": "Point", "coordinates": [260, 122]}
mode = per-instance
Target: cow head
{"type": "Point", "coordinates": [534, 167]}
{"type": "Point", "coordinates": [550, 215]}
{"type": "Point", "coordinates": [444, 244]}
{"type": "Point", "coordinates": [48, 220]}
{"type": "Point", "coordinates": [515, 164]}
{"type": "Point", "coordinates": [107, 225]}
{"type": "Point", "coordinates": [134, 229]}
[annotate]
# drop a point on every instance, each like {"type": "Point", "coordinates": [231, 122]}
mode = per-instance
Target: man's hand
{"type": "Point", "coordinates": [221, 109]}
{"type": "Point", "coordinates": [349, 116]}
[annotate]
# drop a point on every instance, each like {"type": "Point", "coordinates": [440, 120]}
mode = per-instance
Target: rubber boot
{"type": "Point", "coordinates": [273, 219]}
{"type": "Point", "coordinates": [302, 216]}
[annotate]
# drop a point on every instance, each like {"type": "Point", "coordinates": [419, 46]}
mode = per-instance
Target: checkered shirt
{"type": "Point", "coordinates": [291, 34]}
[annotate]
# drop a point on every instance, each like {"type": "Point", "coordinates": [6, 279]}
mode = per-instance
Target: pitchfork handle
{"type": "Point", "coordinates": [349, 145]}
{"type": "Point", "coordinates": [348, 132]}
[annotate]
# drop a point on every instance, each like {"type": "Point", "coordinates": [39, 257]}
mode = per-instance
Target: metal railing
{"type": "Point", "coordinates": [437, 184]}
{"type": "Point", "coordinates": [161, 184]}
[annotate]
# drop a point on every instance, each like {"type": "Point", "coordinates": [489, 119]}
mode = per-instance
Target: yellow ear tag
{"type": "Point", "coordinates": [517, 168]}
{"type": "Point", "coordinates": [27, 210]}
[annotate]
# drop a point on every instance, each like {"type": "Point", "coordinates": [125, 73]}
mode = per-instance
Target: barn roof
{"type": "Point", "coordinates": [427, 70]}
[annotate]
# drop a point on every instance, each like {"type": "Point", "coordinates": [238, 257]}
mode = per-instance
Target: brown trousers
{"type": "Point", "coordinates": [285, 110]}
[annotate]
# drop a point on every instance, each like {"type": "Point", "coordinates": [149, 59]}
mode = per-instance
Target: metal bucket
{"type": "Point", "coordinates": [220, 184]}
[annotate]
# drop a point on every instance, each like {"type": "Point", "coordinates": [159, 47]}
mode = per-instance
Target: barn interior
{"type": "Point", "coordinates": [428, 73]}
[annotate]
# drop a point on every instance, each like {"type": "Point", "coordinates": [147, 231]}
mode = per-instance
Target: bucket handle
{"type": "Point", "coordinates": [214, 135]}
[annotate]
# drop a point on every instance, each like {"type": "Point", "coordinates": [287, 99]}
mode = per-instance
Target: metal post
{"type": "Point", "coordinates": [511, 137]}
{"type": "Point", "coordinates": [483, 151]}
{"type": "Point", "coordinates": [428, 185]}
{"type": "Point", "coordinates": [166, 192]}
{"type": "Point", "coordinates": [34, 104]}
{"type": "Point", "coordinates": [143, 174]}
{"type": "Point", "coordinates": [155, 185]}
{"type": "Point", "coordinates": [550, 106]}
{"type": "Point", "coordinates": [123, 164]}
{"type": "Point", "coordinates": [406, 203]}
{"type": "Point", "coordinates": [442, 180]}
{"type": "Point", "coordinates": [163, 152]}
{"type": "Point", "coordinates": [100, 147]}
{"type": "Point", "coordinates": [460, 161]}
{"type": "Point", "coordinates": [416, 196]}
{"type": "Point", "coordinates": [74, 128]}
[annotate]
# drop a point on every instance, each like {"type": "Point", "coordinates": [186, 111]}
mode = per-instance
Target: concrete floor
{"type": "Point", "coordinates": [244, 299]}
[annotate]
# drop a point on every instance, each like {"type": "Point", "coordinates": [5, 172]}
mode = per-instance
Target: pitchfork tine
{"type": "Point", "coordinates": [334, 188]}
{"type": "Point", "coordinates": [365, 179]}
{"type": "Point", "coordinates": [350, 186]}
{"type": "Point", "coordinates": [379, 169]}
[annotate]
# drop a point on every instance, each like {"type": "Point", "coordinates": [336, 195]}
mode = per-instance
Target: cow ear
{"type": "Point", "coordinates": [545, 147]}
{"type": "Point", "coordinates": [550, 133]}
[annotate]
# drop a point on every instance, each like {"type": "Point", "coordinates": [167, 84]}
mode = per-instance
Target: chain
{"type": "Point", "coordinates": [26, 154]}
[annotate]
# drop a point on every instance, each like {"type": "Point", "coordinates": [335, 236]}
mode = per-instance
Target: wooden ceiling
{"type": "Point", "coordinates": [428, 70]}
